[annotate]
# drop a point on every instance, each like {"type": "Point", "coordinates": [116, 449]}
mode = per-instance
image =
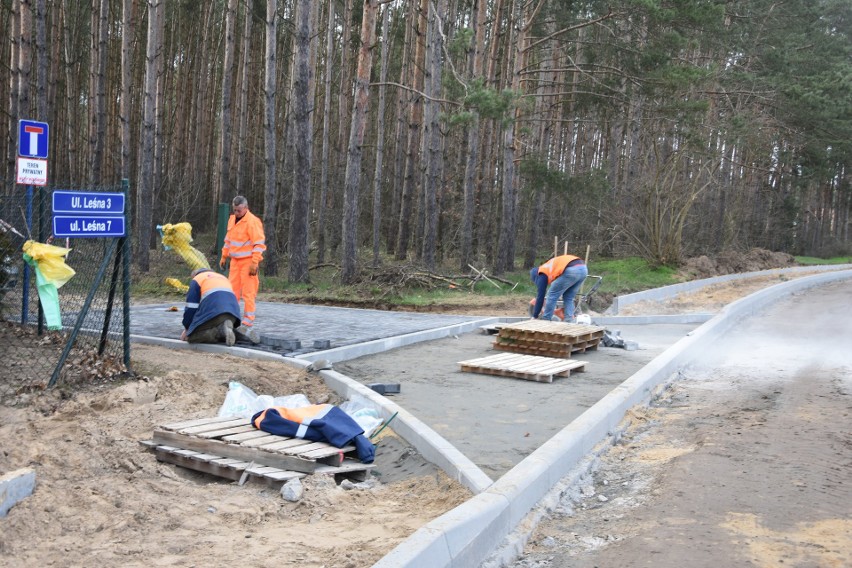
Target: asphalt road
{"type": "Point", "coordinates": [745, 462]}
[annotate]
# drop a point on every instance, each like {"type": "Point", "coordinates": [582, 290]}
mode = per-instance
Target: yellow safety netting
{"type": "Point", "coordinates": [51, 262]}
{"type": "Point", "coordinates": [178, 237]}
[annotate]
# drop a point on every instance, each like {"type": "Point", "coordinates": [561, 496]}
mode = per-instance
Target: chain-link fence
{"type": "Point", "coordinates": [76, 333]}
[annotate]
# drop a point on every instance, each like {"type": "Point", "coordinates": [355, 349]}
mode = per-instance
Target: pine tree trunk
{"type": "Point", "coordinates": [473, 134]}
{"type": "Point", "coordinates": [302, 104]}
{"type": "Point", "coordinates": [380, 139]}
{"type": "Point", "coordinates": [415, 119]}
{"type": "Point", "coordinates": [224, 159]}
{"type": "Point", "coordinates": [127, 31]}
{"type": "Point", "coordinates": [326, 141]}
{"type": "Point", "coordinates": [360, 106]}
{"type": "Point", "coordinates": [145, 193]}
{"type": "Point", "coordinates": [270, 193]}
{"type": "Point", "coordinates": [245, 61]}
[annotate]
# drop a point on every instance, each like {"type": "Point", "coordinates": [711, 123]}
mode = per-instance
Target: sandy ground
{"type": "Point", "coordinates": [101, 497]}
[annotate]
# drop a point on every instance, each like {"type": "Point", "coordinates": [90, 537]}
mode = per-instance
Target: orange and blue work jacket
{"type": "Point", "coordinates": [319, 423]}
{"type": "Point", "coordinates": [210, 294]}
{"type": "Point", "coordinates": [244, 239]}
{"type": "Point", "coordinates": [554, 267]}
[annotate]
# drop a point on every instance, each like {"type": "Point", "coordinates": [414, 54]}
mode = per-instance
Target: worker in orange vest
{"type": "Point", "coordinates": [211, 311]}
{"type": "Point", "coordinates": [565, 275]}
{"type": "Point", "coordinates": [244, 245]}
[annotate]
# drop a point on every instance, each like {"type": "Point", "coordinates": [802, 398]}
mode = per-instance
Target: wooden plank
{"type": "Point", "coordinates": [289, 462]}
{"type": "Point", "coordinates": [214, 426]}
{"type": "Point", "coordinates": [196, 422]}
{"type": "Point", "coordinates": [227, 431]}
{"type": "Point", "coordinates": [286, 443]}
{"type": "Point", "coordinates": [250, 435]}
{"type": "Point", "coordinates": [267, 440]}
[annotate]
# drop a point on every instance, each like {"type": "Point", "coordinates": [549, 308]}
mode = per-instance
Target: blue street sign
{"type": "Point", "coordinates": [32, 139]}
{"type": "Point", "coordinates": [82, 226]}
{"type": "Point", "coordinates": [87, 202]}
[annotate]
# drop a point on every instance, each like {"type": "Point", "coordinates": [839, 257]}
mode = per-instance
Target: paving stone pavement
{"type": "Point", "coordinates": [340, 326]}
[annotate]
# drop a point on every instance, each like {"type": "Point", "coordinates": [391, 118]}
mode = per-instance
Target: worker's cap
{"type": "Point", "coordinates": [533, 273]}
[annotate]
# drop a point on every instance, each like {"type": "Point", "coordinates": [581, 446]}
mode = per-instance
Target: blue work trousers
{"type": "Point", "coordinates": [566, 285]}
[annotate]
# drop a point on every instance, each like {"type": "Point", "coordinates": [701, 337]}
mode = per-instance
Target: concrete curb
{"type": "Point", "coordinates": [466, 535]}
{"type": "Point", "coordinates": [670, 291]}
{"type": "Point", "coordinates": [15, 486]}
{"type": "Point", "coordinates": [347, 352]}
{"type": "Point", "coordinates": [668, 318]}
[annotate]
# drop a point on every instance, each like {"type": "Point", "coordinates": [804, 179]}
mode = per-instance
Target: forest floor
{"type": "Point", "coordinates": [102, 497]}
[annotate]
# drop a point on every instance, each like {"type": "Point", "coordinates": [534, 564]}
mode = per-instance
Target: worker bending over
{"type": "Point", "coordinates": [565, 275]}
{"type": "Point", "coordinates": [244, 245]}
{"type": "Point", "coordinates": [211, 311]}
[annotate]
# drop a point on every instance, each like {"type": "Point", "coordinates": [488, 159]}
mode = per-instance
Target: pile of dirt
{"type": "Point", "coordinates": [733, 262]}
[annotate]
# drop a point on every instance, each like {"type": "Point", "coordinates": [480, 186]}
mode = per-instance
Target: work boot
{"type": "Point", "coordinates": [247, 334]}
{"type": "Point", "coordinates": [226, 332]}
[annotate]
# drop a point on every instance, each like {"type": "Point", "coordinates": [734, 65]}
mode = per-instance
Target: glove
{"type": "Point", "coordinates": [253, 270]}
{"type": "Point", "coordinates": [222, 263]}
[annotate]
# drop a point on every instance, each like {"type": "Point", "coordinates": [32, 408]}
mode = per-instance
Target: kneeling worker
{"type": "Point", "coordinates": [565, 275]}
{"type": "Point", "coordinates": [212, 312]}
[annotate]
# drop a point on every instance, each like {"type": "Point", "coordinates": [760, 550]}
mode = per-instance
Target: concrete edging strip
{"type": "Point", "coordinates": [15, 486]}
{"type": "Point", "coordinates": [450, 540]}
{"type": "Point", "coordinates": [675, 289]}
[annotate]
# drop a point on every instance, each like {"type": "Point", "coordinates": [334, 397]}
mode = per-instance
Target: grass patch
{"type": "Point", "coordinates": [812, 260]}
{"type": "Point", "coordinates": [387, 287]}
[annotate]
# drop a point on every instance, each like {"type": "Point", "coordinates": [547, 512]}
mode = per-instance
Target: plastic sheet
{"type": "Point", "coordinates": [51, 262]}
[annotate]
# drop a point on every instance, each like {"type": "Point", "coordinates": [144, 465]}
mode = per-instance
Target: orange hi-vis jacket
{"type": "Point", "coordinates": [244, 239]}
{"type": "Point", "coordinates": [554, 267]}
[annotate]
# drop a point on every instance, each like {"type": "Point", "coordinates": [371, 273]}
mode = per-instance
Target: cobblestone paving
{"type": "Point", "coordinates": [340, 326]}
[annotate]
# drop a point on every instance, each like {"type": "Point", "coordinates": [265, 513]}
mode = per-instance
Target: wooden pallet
{"type": "Point", "coordinates": [528, 367]}
{"type": "Point", "coordinates": [242, 471]}
{"type": "Point", "coordinates": [544, 348]}
{"type": "Point", "coordinates": [551, 330]}
{"type": "Point", "coordinates": [548, 339]}
{"type": "Point", "coordinates": [227, 447]}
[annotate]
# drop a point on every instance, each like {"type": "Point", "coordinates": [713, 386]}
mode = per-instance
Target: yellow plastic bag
{"type": "Point", "coordinates": [51, 262]}
{"type": "Point", "coordinates": [178, 237]}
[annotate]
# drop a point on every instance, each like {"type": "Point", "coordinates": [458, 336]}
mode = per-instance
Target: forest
{"type": "Point", "coordinates": [448, 132]}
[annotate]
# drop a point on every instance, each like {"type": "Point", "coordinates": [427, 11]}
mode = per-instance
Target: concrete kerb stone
{"type": "Point", "coordinates": [15, 486]}
{"type": "Point", "coordinates": [346, 352]}
{"type": "Point", "coordinates": [431, 445]}
{"type": "Point", "coordinates": [645, 320]}
{"type": "Point", "coordinates": [670, 291]}
{"type": "Point", "coordinates": [522, 486]}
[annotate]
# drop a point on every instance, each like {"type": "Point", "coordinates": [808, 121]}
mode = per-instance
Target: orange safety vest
{"type": "Point", "coordinates": [210, 281]}
{"type": "Point", "coordinates": [244, 239]}
{"type": "Point", "coordinates": [554, 267]}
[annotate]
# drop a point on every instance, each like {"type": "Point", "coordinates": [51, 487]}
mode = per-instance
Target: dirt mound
{"type": "Point", "coordinates": [732, 262]}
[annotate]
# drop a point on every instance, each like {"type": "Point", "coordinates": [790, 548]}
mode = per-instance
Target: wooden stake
{"type": "Point", "coordinates": [555, 245]}
{"type": "Point", "coordinates": [566, 248]}
{"type": "Point", "coordinates": [587, 253]}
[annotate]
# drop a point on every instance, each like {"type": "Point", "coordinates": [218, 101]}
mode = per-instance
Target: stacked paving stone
{"type": "Point", "coordinates": [547, 338]}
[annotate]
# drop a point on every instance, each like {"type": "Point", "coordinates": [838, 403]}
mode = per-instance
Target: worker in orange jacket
{"type": "Point", "coordinates": [564, 275]}
{"type": "Point", "coordinates": [244, 245]}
